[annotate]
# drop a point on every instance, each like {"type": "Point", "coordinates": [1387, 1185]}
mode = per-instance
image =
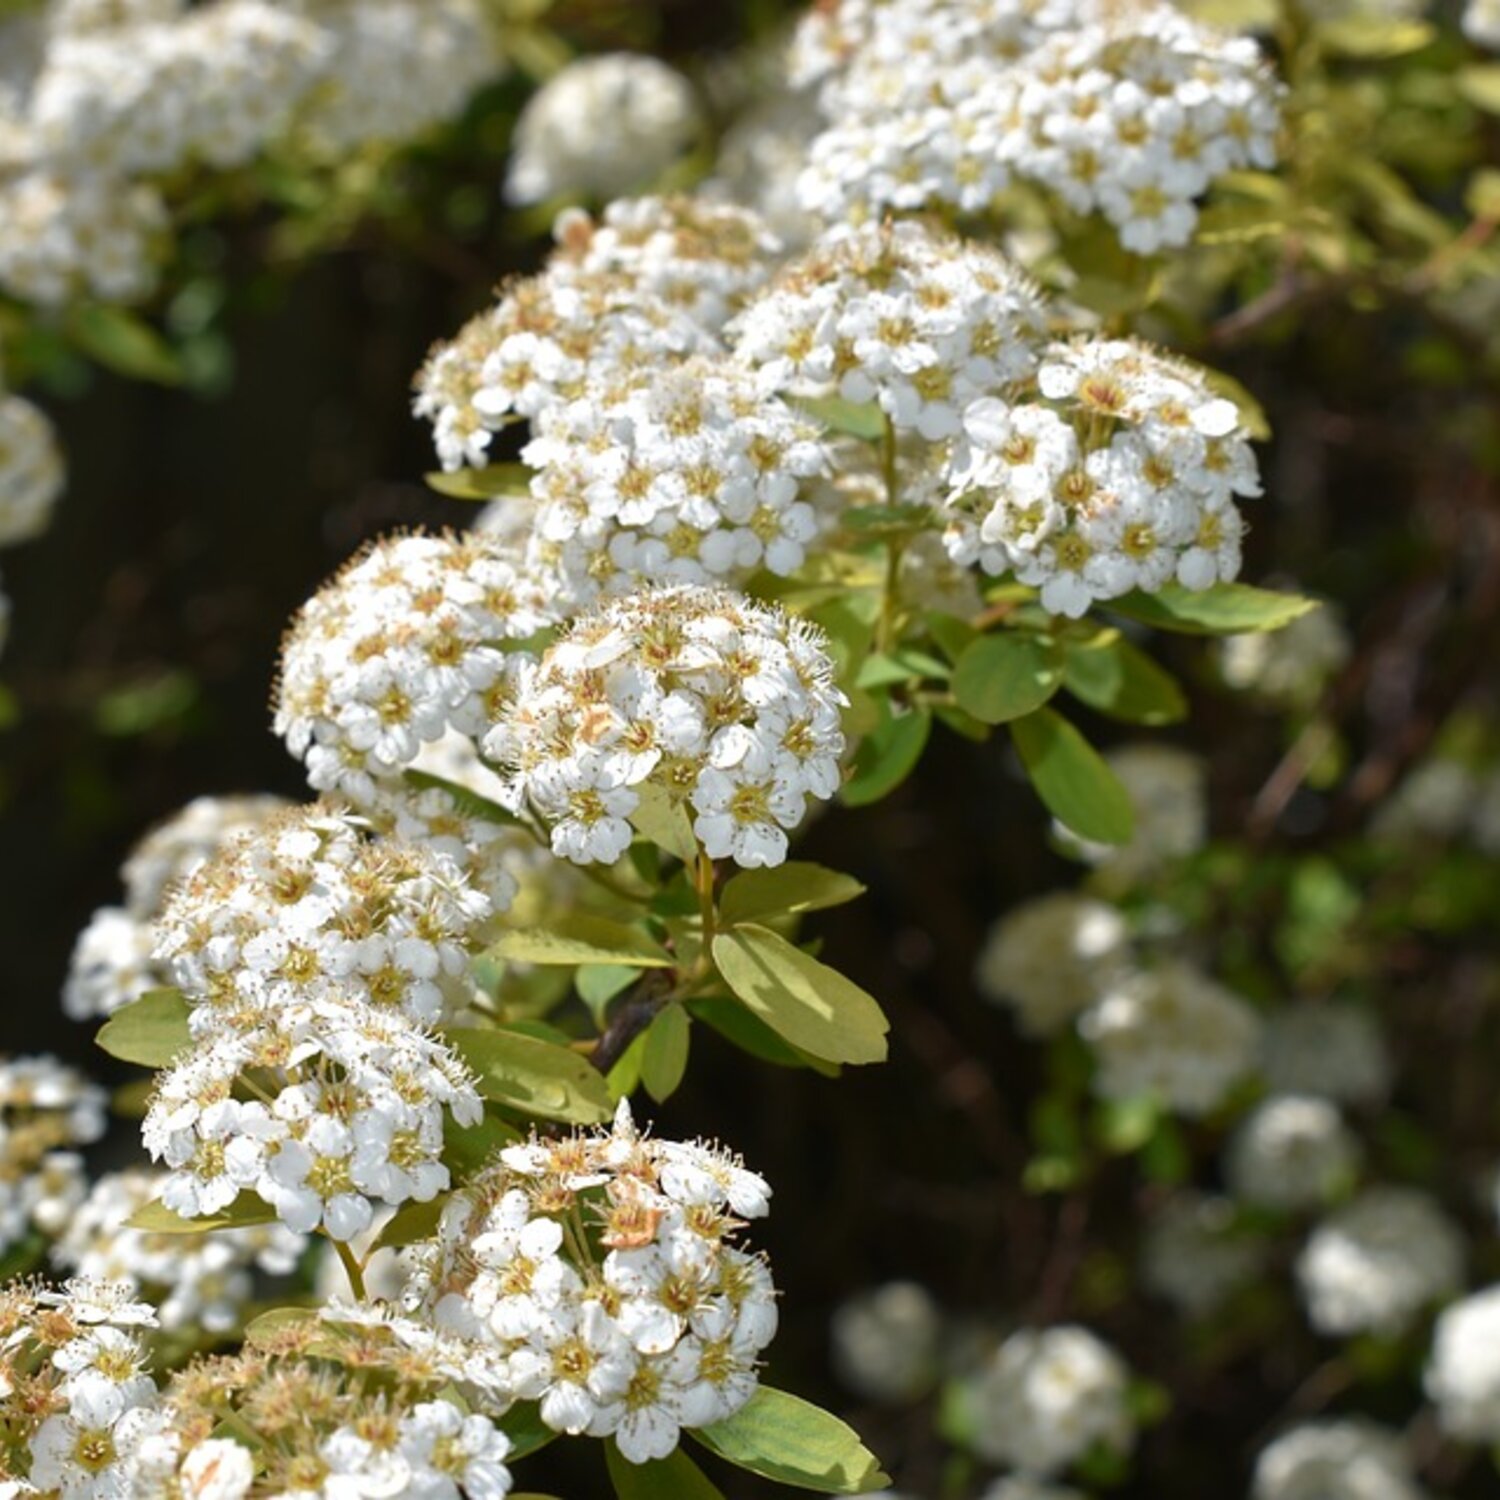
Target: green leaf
{"type": "Point", "coordinates": [1225, 609]}
{"type": "Point", "coordinates": [784, 1438]}
{"type": "Point", "coordinates": [676, 1477]}
{"type": "Point", "coordinates": [412, 1222]}
{"type": "Point", "coordinates": [527, 1432]}
{"type": "Point", "coordinates": [796, 886]}
{"type": "Point", "coordinates": [1072, 779]}
{"type": "Point", "coordinates": [805, 1002]}
{"type": "Point", "coordinates": [150, 1031]}
{"type": "Point", "coordinates": [881, 670]}
{"type": "Point", "coordinates": [467, 1149]}
{"type": "Point", "coordinates": [466, 802]}
{"type": "Point", "coordinates": [1373, 36]}
{"type": "Point", "coordinates": [1480, 85]}
{"type": "Point", "coordinates": [887, 756]}
{"type": "Point", "coordinates": [578, 938]}
{"type": "Point", "coordinates": [1119, 679]}
{"type": "Point", "coordinates": [665, 821]}
{"type": "Point", "coordinates": [534, 1077]}
{"type": "Point", "coordinates": [156, 1218]}
{"type": "Point", "coordinates": [483, 484]}
{"type": "Point", "coordinates": [866, 421]}
{"type": "Point", "coordinates": [598, 984]}
{"type": "Point", "coordinates": [665, 1057]}
{"type": "Point", "coordinates": [1006, 676]}
{"type": "Point", "coordinates": [745, 1030]}
{"type": "Point", "coordinates": [122, 342]}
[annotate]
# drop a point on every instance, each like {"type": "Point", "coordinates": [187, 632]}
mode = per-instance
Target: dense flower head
{"type": "Point", "coordinates": [1174, 1034]}
{"type": "Point", "coordinates": [1334, 1051]}
{"type": "Point", "coordinates": [1481, 24]}
{"type": "Point", "coordinates": [725, 707]}
{"type": "Point", "coordinates": [600, 128]}
{"type": "Point", "coordinates": [1052, 957]}
{"type": "Point", "coordinates": [1118, 471]}
{"type": "Point", "coordinates": [47, 1110]}
{"type": "Point", "coordinates": [308, 906]}
{"type": "Point", "coordinates": [31, 470]}
{"type": "Point", "coordinates": [1291, 1152]}
{"type": "Point", "coordinates": [604, 1267]}
{"type": "Point", "coordinates": [401, 646]}
{"type": "Point", "coordinates": [1046, 1397]}
{"type": "Point", "coordinates": [915, 319]}
{"type": "Point", "coordinates": [1128, 110]}
{"type": "Point", "coordinates": [195, 1281]}
{"type": "Point", "coordinates": [1463, 1373]}
{"type": "Point", "coordinates": [886, 1341]}
{"type": "Point", "coordinates": [1195, 1255]}
{"type": "Point", "coordinates": [684, 475]}
{"type": "Point", "coordinates": [1341, 1459]}
{"type": "Point", "coordinates": [1373, 1265]}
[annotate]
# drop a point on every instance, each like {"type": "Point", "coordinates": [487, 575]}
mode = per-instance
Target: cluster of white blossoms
{"type": "Point", "coordinates": [405, 644]}
{"type": "Point", "coordinates": [1291, 1152]}
{"type": "Point", "coordinates": [314, 959]}
{"type": "Point", "coordinates": [1446, 799]}
{"type": "Point", "coordinates": [1128, 110]}
{"type": "Point", "coordinates": [90, 1406]}
{"type": "Point", "coordinates": [113, 959]}
{"type": "Point", "coordinates": [1345, 1459]}
{"type": "Point", "coordinates": [196, 1282]}
{"type": "Point", "coordinates": [1118, 471]}
{"type": "Point", "coordinates": [1195, 1254]}
{"type": "Point", "coordinates": [721, 706]}
{"type": "Point", "coordinates": [102, 104]}
{"type": "Point", "coordinates": [1481, 24]}
{"type": "Point", "coordinates": [653, 282]}
{"type": "Point", "coordinates": [603, 1267]}
{"type": "Point", "coordinates": [683, 475]}
{"type": "Point", "coordinates": [917, 320]}
{"type": "Point", "coordinates": [1373, 1265]}
{"type": "Point", "coordinates": [1288, 668]}
{"type": "Point", "coordinates": [1463, 1373]}
{"type": "Point", "coordinates": [1334, 1051]}
{"type": "Point", "coordinates": [1050, 958]}
{"type": "Point", "coordinates": [600, 128]}
{"type": "Point", "coordinates": [1046, 1397]}
{"type": "Point", "coordinates": [31, 470]}
{"type": "Point", "coordinates": [47, 1110]}
{"type": "Point", "coordinates": [1172, 1033]}
{"type": "Point", "coordinates": [887, 1342]}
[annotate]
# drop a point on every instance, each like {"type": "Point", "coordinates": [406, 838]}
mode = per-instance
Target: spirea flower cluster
{"type": "Point", "coordinates": [1130, 111]}
{"type": "Point", "coordinates": [47, 1110]}
{"type": "Point", "coordinates": [315, 959]}
{"type": "Point", "coordinates": [722, 707]}
{"type": "Point", "coordinates": [31, 470]}
{"type": "Point", "coordinates": [604, 1267]}
{"type": "Point", "coordinates": [1336, 1460]}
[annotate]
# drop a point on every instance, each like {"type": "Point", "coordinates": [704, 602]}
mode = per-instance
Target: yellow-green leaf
{"type": "Point", "coordinates": [1224, 609]}
{"type": "Point", "coordinates": [1007, 675]}
{"type": "Point", "coordinates": [1374, 36]}
{"type": "Point", "coordinates": [1072, 778]}
{"type": "Point", "coordinates": [805, 1002]}
{"type": "Point", "coordinates": [789, 1440]}
{"type": "Point", "coordinates": [1119, 679]}
{"type": "Point", "coordinates": [662, 819]}
{"type": "Point", "coordinates": [887, 755]}
{"type": "Point", "coordinates": [156, 1218]}
{"type": "Point", "coordinates": [675, 1477]}
{"type": "Point", "coordinates": [533, 1077]}
{"type": "Point", "coordinates": [582, 939]}
{"type": "Point", "coordinates": [867, 422]}
{"type": "Point", "coordinates": [664, 1059]}
{"type": "Point", "coordinates": [796, 886]}
{"type": "Point", "coordinates": [150, 1031]}
{"type": "Point", "coordinates": [122, 342]}
{"type": "Point", "coordinates": [482, 484]}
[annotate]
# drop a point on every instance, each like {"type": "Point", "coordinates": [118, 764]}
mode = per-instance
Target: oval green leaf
{"type": "Point", "coordinates": [582, 939]}
{"type": "Point", "coordinates": [534, 1077]}
{"type": "Point", "coordinates": [150, 1031]}
{"type": "Point", "coordinates": [1120, 680]}
{"type": "Point", "coordinates": [796, 886]}
{"type": "Point", "coordinates": [1006, 676]}
{"type": "Point", "coordinates": [1072, 778]}
{"type": "Point", "coordinates": [156, 1218]}
{"type": "Point", "coordinates": [1225, 609]}
{"type": "Point", "coordinates": [664, 1059]}
{"type": "Point", "coordinates": [887, 756]}
{"type": "Point", "coordinates": [676, 1477]}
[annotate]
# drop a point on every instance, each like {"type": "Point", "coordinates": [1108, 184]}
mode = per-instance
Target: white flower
{"type": "Point", "coordinates": [885, 1341]}
{"type": "Point", "coordinates": [1336, 1460]}
{"type": "Point", "coordinates": [1291, 1152]}
{"type": "Point", "coordinates": [449, 1453]}
{"type": "Point", "coordinates": [1463, 1371]}
{"type": "Point", "coordinates": [1195, 1255]}
{"type": "Point", "coordinates": [217, 1469]}
{"type": "Point", "coordinates": [31, 470]}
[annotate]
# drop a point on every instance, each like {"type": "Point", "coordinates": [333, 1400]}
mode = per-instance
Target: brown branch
{"type": "Point", "coordinates": [640, 1007]}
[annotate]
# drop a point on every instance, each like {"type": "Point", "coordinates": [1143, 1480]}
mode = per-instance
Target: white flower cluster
{"type": "Point", "coordinates": [1333, 1051]}
{"type": "Point", "coordinates": [1373, 1265]}
{"type": "Point", "coordinates": [1173, 1033]}
{"type": "Point", "coordinates": [602, 1266]}
{"type": "Point", "coordinates": [600, 128]}
{"type": "Point", "coordinates": [112, 961]}
{"type": "Point", "coordinates": [1291, 1152]}
{"type": "Point", "coordinates": [1336, 1460]}
{"type": "Point", "coordinates": [1446, 799]}
{"type": "Point", "coordinates": [109, 99]}
{"type": "Point", "coordinates": [1128, 110]}
{"type": "Point", "coordinates": [195, 1281]}
{"type": "Point", "coordinates": [31, 470]}
{"type": "Point", "coordinates": [314, 959]}
{"type": "Point", "coordinates": [403, 645]}
{"type": "Point", "coordinates": [1118, 473]}
{"type": "Point", "coordinates": [1048, 1396]}
{"type": "Point", "coordinates": [724, 707]}
{"type": "Point", "coordinates": [45, 1110]}
{"type": "Point", "coordinates": [91, 1404]}
{"type": "Point", "coordinates": [1463, 1374]}
{"type": "Point", "coordinates": [1052, 957]}
{"type": "Point", "coordinates": [886, 1342]}
{"type": "Point", "coordinates": [920, 321]}
{"type": "Point", "coordinates": [1288, 668]}
{"type": "Point", "coordinates": [1196, 1255]}
{"type": "Point", "coordinates": [652, 283]}
{"type": "Point", "coordinates": [687, 475]}
{"type": "Point", "coordinates": [1481, 24]}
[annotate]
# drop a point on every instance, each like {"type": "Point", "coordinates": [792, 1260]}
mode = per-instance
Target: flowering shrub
{"type": "Point", "coordinates": [873, 444]}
